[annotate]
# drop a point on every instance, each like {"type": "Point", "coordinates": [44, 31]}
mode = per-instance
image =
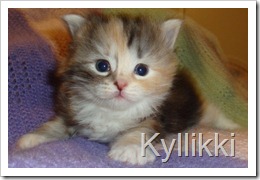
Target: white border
{"type": "Point", "coordinates": [127, 4]}
{"type": "Point", "coordinates": [250, 171]}
{"type": "Point", "coordinates": [252, 87]}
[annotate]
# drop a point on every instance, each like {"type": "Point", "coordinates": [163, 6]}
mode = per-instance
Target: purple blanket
{"type": "Point", "coordinates": [30, 94]}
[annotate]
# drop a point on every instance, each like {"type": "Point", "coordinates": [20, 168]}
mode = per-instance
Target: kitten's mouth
{"type": "Point", "coordinates": [120, 96]}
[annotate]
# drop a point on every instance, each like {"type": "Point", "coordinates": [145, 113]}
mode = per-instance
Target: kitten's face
{"type": "Point", "coordinates": [118, 62]}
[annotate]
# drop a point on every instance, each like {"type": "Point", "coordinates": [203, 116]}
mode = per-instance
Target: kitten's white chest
{"type": "Point", "coordinates": [103, 125]}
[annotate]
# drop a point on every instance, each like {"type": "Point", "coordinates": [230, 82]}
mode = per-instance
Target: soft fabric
{"type": "Point", "coordinates": [199, 51]}
{"type": "Point", "coordinates": [30, 94]}
{"type": "Point", "coordinates": [31, 63]}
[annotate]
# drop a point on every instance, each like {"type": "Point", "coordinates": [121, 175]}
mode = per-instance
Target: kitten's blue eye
{"type": "Point", "coordinates": [141, 69]}
{"type": "Point", "coordinates": [102, 65]}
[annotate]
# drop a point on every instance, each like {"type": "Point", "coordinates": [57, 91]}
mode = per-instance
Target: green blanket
{"type": "Point", "coordinates": [200, 53]}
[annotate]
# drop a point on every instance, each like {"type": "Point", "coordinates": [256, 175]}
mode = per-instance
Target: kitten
{"type": "Point", "coordinates": [121, 80]}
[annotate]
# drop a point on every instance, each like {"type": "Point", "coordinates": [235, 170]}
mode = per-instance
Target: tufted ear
{"type": "Point", "coordinates": [170, 31]}
{"type": "Point", "coordinates": [74, 22]}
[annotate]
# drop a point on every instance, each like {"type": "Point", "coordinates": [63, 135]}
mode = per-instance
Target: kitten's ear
{"type": "Point", "coordinates": [170, 30]}
{"type": "Point", "coordinates": [74, 22]}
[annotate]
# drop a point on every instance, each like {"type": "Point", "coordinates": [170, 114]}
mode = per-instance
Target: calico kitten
{"type": "Point", "coordinates": [120, 80]}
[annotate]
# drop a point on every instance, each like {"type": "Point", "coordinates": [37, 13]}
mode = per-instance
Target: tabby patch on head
{"type": "Point", "coordinates": [118, 62]}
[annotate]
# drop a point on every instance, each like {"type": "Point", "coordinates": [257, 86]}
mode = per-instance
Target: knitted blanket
{"type": "Point", "coordinates": [38, 41]}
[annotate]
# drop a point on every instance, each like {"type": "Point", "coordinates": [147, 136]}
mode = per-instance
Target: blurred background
{"type": "Point", "coordinates": [230, 25]}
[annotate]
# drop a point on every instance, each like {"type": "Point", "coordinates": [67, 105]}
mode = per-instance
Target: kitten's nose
{"type": "Point", "coordinates": [120, 84]}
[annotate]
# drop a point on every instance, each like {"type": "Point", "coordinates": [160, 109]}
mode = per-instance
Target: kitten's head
{"type": "Point", "coordinates": [120, 61]}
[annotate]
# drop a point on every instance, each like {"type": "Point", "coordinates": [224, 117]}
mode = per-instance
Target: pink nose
{"type": "Point", "coordinates": [120, 84]}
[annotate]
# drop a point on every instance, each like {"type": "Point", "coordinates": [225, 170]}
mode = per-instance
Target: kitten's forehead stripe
{"type": "Point", "coordinates": [139, 52]}
{"type": "Point", "coordinates": [131, 38]}
{"type": "Point", "coordinates": [138, 31]}
{"type": "Point", "coordinates": [131, 29]}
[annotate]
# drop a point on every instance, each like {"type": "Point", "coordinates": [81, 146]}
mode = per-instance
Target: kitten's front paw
{"type": "Point", "coordinates": [30, 140]}
{"type": "Point", "coordinates": [130, 153]}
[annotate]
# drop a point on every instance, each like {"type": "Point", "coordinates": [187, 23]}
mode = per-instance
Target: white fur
{"type": "Point", "coordinates": [130, 153]}
{"type": "Point", "coordinates": [214, 117]}
{"type": "Point", "coordinates": [127, 147]}
{"type": "Point", "coordinates": [106, 122]}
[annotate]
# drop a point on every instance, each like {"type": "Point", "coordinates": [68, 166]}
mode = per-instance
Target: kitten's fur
{"type": "Point", "coordinates": [89, 103]}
